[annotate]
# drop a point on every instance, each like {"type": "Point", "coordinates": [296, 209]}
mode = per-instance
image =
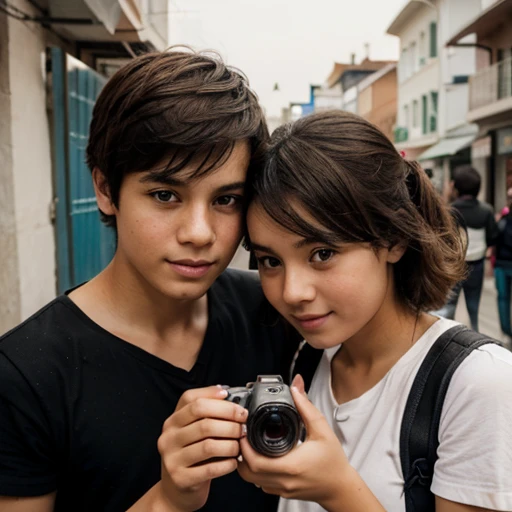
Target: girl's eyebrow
{"type": "Point", "coordinates": [261, 248]}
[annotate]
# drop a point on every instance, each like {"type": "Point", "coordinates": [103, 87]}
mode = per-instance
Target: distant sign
{"type": "Point", "coordinates": [504, 141]}
{"type": "Point", "coordinates": [481, 148]}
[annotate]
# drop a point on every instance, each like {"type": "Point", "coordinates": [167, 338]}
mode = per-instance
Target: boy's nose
{"type": "Point", "coordinates": [196, 228]}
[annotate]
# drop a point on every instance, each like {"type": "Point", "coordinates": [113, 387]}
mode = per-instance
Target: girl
{"type": "Point", "coordinates": [354, 247]}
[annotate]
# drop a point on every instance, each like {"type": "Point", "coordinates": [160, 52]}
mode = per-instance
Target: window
{"type": "Point", "coordinates": [404, 65]}
{"type": "Point", "coordinates": [415, 114]}
{"type": "Point", "coordinates": [414, 58]}
{"type": "Point", "coordinates": [433, 39]}
{"type": "Point", "coordinates": [422, 51]}
{"type": "Point", "coordinates": [424, 112]}
{"type": "Point", "coordinates": [406, 116]}
{"type": "Point", "coordinates": [433, 111]}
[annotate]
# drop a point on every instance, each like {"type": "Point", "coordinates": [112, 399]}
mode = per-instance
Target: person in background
{"type": "Point", "coordinates": [503, 268]}
{"type": "Point", "coordinates": [482, 231]}
{"type": "Point", "coordinates": [448, 309]}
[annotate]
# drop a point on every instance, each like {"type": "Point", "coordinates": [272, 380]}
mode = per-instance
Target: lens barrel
{"type": "Point", "coordinates": [274, 429]}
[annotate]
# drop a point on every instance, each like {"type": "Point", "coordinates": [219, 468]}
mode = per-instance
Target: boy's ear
{"type": "Point", "coordinates": [102, 192]}
{"type": "Point", "coordinates": [396, 252]}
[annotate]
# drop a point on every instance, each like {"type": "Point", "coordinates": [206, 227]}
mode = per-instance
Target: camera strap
{"type": "Point", "coordinates": [419, 433]}
{"type": "Point", "coordinates": [305, 362]}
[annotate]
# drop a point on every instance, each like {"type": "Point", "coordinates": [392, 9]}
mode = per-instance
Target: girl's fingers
{"type": "Point", "coordinates": [313, 419]}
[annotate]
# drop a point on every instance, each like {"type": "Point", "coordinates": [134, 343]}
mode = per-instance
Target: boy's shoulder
{"type": "Point", "coordinates": [53, 331]}
{"type": "Point", "coordinates": [241, 285]}
{"type": "Point", "coordinates": [45, 317]}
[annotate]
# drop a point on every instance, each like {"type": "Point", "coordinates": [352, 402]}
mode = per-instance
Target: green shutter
{"type": "Point", "coordinates": [424, 114]}
{"type": "Point", "coordinates": [433, 114]}
{"type": "Point", "coordinates": [433, 39]}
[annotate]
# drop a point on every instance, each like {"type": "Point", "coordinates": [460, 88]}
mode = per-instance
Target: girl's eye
{"type": "Point", "coordinates": [268, 262]}
{"type": "Point", "coordinates": [164, 196]}
{"type": "Point", "coordinates": [322, 255]}
{"type": "Point", "coordinates": [228, 200]}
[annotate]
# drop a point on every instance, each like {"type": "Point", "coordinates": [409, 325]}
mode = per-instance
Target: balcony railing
{"type": "Point", "coordinates": [491, 84]}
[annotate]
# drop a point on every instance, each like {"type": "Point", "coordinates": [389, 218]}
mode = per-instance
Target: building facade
{"type": "Point", "coordinates": [50, 55]}
{"type": "Point", "coordinates": [490, 96]}
{"type": "Point", "coordinates": [377, 99]}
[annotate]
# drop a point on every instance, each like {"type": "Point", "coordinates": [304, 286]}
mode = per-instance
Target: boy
{"type": "Point", "coordinates": [90, 411]}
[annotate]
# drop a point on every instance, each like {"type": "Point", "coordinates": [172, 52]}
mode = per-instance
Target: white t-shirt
{"type": "Point", "coordinates": [475, 433]}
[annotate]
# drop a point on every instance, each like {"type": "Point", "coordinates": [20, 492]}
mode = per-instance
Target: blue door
{"type": "Point", "coordinates": [84, 245]}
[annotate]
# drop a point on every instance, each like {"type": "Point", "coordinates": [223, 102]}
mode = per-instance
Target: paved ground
{"type": "Point", "coordinates": [488, 314]}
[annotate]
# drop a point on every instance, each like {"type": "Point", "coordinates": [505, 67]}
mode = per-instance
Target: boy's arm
{"type": "Point", "coordinates": [34, 504]}
{"type": "Point", "coordinates": [199, 442]}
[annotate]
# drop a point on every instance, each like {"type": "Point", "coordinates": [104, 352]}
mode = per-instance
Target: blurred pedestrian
{"type": "Point", "coordinates": [482, 231]}
{"type": "Point", "coordinates": [503, 267]}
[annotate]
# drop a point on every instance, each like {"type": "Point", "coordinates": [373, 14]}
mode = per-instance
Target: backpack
{"type": "Point", "coordinates": [420, 424]}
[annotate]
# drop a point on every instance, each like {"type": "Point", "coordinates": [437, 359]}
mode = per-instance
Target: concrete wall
{"type": "Point", "coordinates": [27, 181]}
{"type": "Point", "coordinates": [384, 103]}
{"type": "Point", "coordinates": [9, 283]}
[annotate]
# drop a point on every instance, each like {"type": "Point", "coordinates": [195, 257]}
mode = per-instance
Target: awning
{"type": "Point", "coordinates": [447, 147]}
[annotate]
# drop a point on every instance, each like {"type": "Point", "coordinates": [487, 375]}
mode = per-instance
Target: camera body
{"type": "Point", "coordinates": [273, 425]}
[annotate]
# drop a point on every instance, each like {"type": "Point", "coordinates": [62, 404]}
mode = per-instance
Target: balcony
{"type": "Point", "coordinates": [490, 90]}
{"type": "Point", "coordinates": [401, 134]}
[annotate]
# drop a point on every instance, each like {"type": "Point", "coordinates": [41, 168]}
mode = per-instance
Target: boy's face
{"type": "Point", "coordinates": [175, 235]}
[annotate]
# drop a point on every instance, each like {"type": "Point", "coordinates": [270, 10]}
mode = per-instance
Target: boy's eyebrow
{"type": "Point", "coordinates": [229, 187]}
{"type": "Point", "coordinates": [174, 182]}
{"type": "Point", "coordinates": [161, 178]}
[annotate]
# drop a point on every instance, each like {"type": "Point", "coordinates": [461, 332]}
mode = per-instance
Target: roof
{"type": "Point", "coordinates": [486, 21]}
{"type": "Point", "coordinates": [366, 65]}
{"type": "Point", "coordinates": [403, 17]}
{"type": "Point", "coordinates": [369, 80]}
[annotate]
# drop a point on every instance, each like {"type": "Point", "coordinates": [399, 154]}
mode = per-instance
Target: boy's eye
{"type": "Point", "coordinates": [228, 200]}
{"type": "Point", "coordinates": [322, 255]}
{"type": "Point", "coordinates": [164, 196]}
{"type": "Point", "coordinates": [268, 262]}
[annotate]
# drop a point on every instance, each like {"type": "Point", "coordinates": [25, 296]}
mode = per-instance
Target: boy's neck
{"type": "Point", "coordinates": [127, 307]}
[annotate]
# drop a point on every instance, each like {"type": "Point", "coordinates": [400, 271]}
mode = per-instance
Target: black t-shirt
{"type": "Point", "coordinates": [81, 410]}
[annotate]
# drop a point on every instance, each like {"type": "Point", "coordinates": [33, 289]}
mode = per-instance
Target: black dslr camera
{"type": "Point", "coordinates": [273, 425]}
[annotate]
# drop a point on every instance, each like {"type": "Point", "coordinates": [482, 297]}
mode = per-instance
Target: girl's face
{"type": "Point", "coordinates": [329, 294]}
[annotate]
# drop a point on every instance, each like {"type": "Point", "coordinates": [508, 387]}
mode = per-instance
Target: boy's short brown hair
{"type": "Point", "coordinates": [180, 106]}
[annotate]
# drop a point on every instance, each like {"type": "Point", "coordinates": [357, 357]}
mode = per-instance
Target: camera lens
{"type": "Point", "coordinates": [274, 428]}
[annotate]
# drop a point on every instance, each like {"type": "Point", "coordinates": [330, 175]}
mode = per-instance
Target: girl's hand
{"type": "Point", "coordinates": [312, 471]}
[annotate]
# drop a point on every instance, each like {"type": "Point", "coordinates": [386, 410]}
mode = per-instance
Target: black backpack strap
{"type": "Point", "coordinates": [306, 362]}
{"type": "Point", "coordinates": [419, 435]}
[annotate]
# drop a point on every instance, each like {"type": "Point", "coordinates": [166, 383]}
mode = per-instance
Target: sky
{"type": "Point", "coordinates": [293, 43]}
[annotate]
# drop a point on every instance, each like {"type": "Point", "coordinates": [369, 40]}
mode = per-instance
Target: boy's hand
{"type": "Point", "coordinates": [311, 471]}
{"type": "Point", "coordinates": [199, 442]}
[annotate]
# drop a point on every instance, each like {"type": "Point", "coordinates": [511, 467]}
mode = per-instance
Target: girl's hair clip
{"type": "Point", "coordinates": [402, 154]}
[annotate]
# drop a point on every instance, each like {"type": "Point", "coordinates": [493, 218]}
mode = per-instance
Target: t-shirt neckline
{"type": "Point", "coordinates": [143, 355]}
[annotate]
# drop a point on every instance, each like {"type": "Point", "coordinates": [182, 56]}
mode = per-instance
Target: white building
{"type": "Point", "coordinates": [433, 84]}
